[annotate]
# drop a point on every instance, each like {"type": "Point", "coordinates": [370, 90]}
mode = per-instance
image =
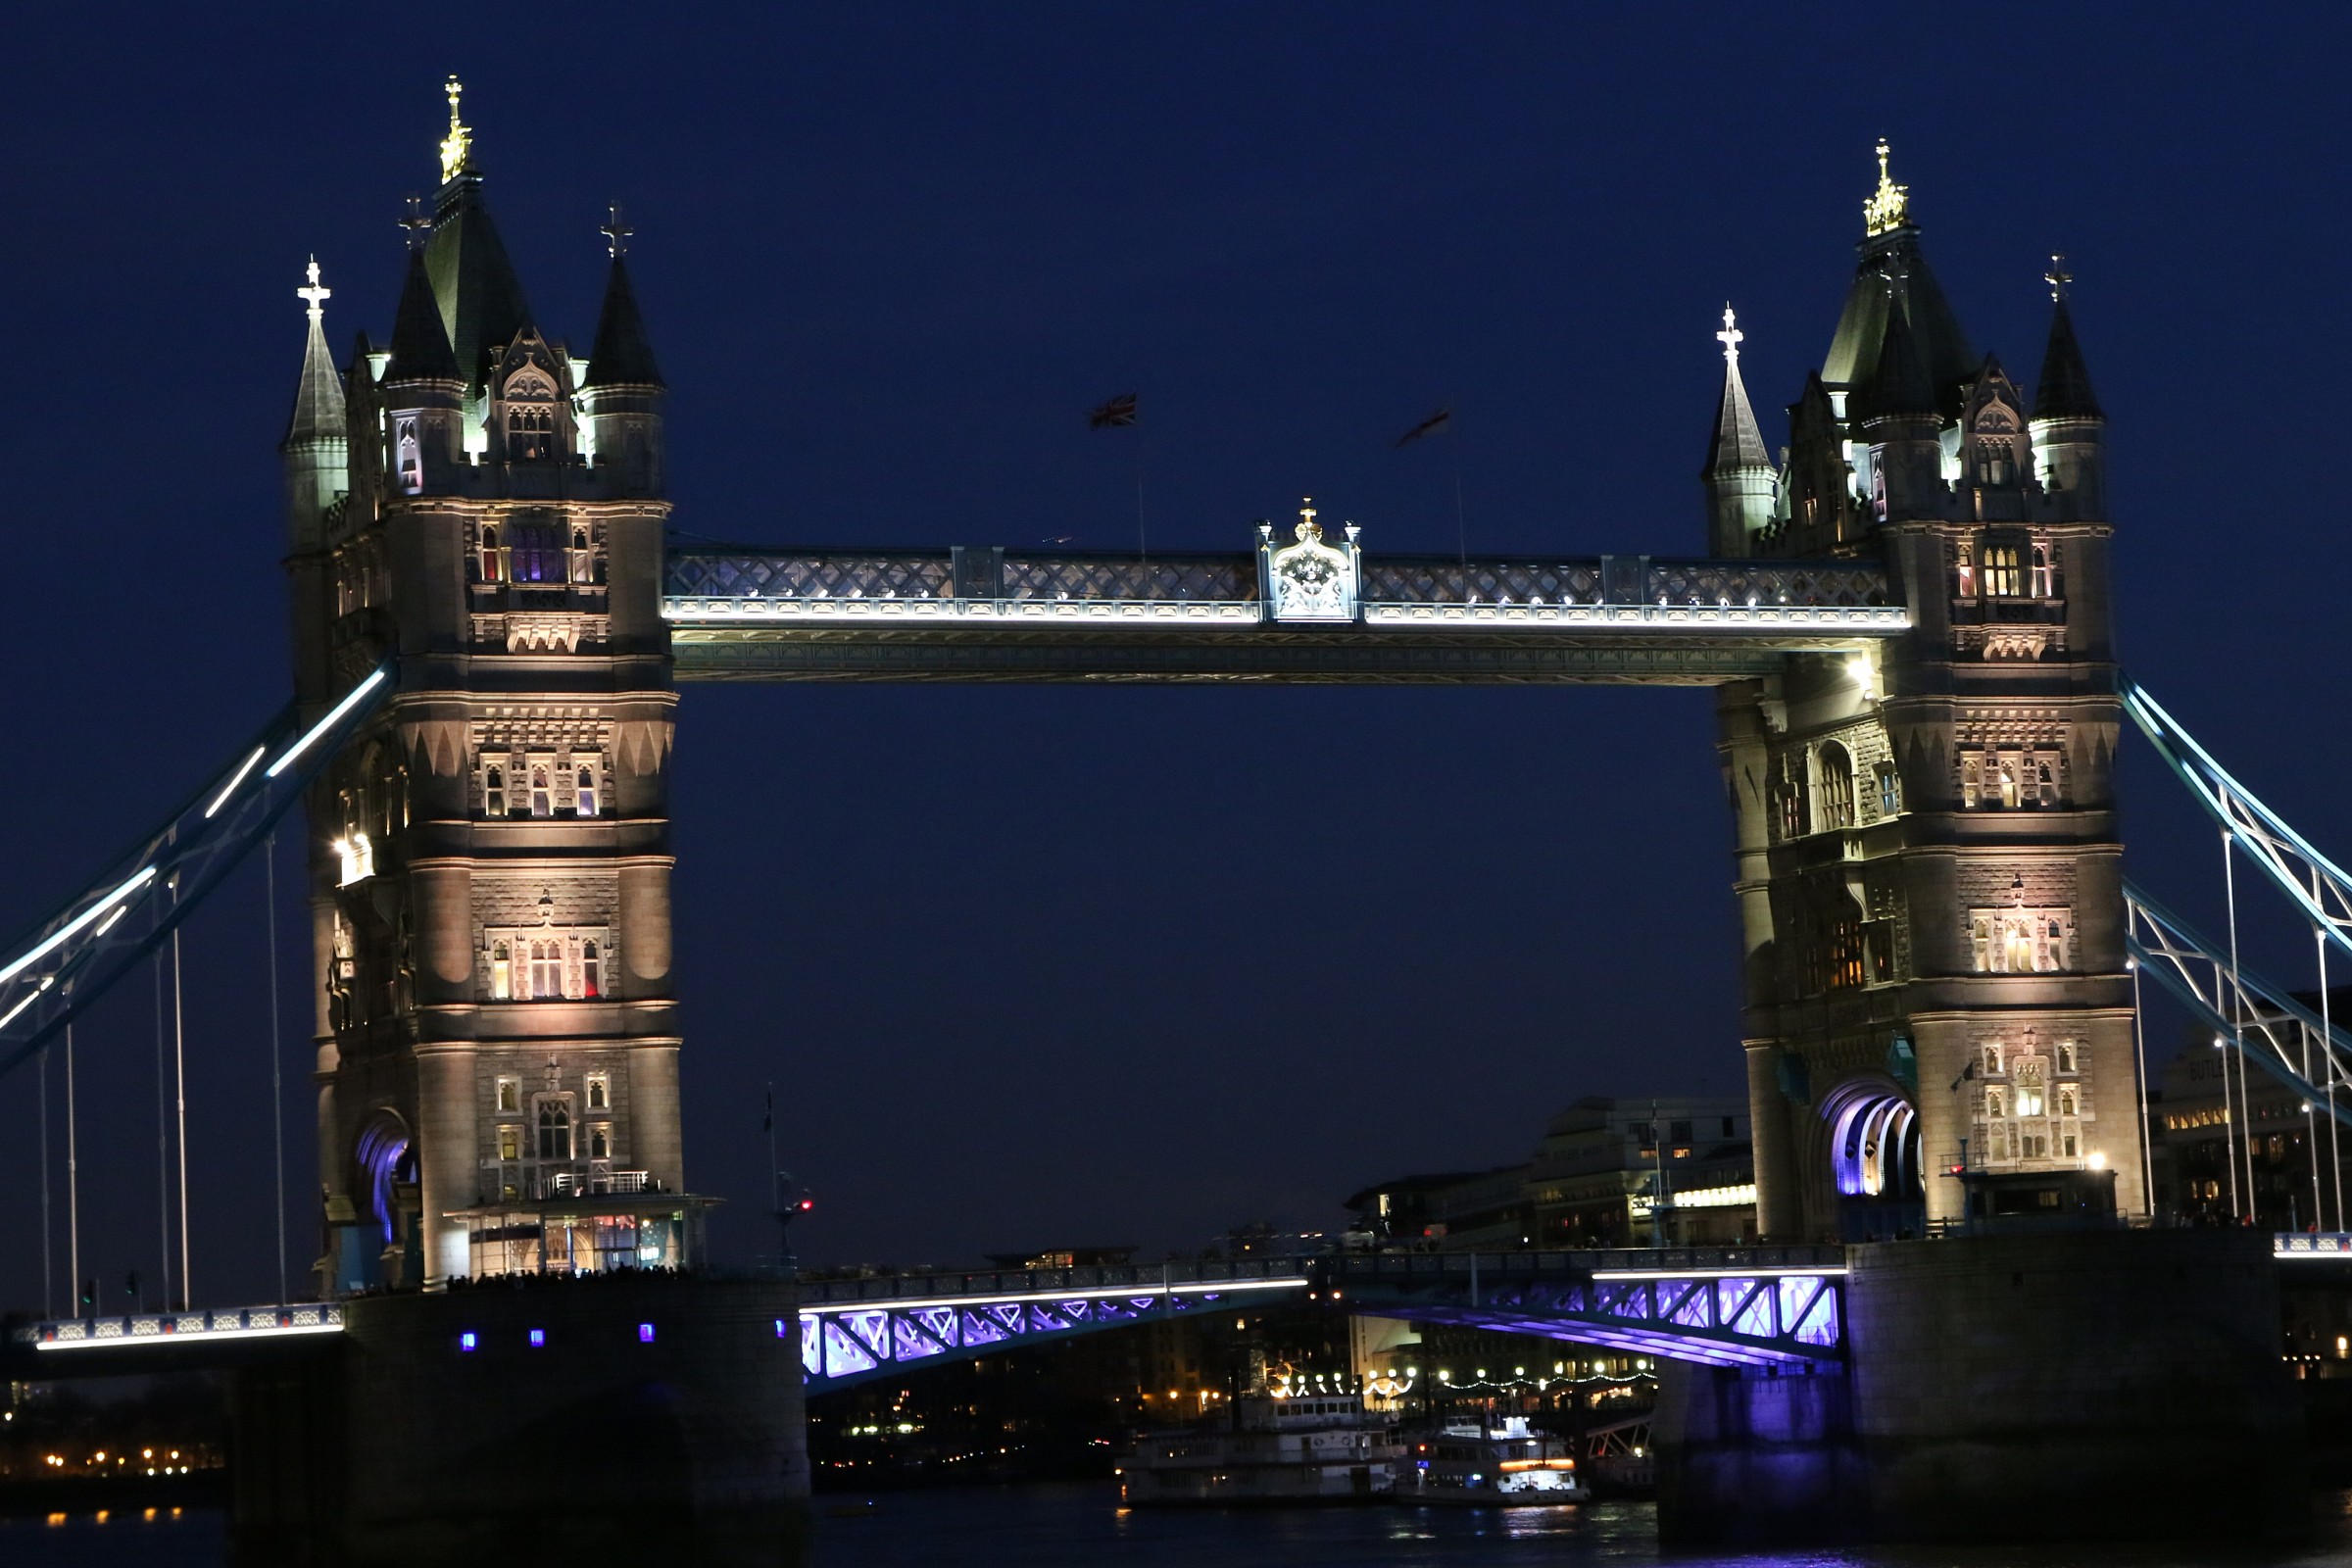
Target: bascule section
{"type": "Point", "coordinates": [1940, 1017]}
{"type": "Point", "coordinates": [478, 507]}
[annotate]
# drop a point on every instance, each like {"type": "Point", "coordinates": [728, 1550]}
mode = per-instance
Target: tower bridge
{"type": "Point", "coordinates": [1907, 623]}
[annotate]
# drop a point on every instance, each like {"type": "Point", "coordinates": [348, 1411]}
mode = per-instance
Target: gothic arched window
{"type": "Point", "coordinates": [1890, 789]}
{"type": "Point", "coordinates": [535, 552]}
{"type": "Point", "coordinates": [592, 971]}
{"type": "Point", "coordinates": [502, 975]}
{"type": "Point", "coordinates": [2045, 581]}
{"type": "Point", "coordinates": [547, 969]}
{"type": "Point", "coordinates": [1836, 786]}
{"type": "Point", "coordinates": [493, 563]}
{"type": "Point", "coordinates": [494, 792]}
{"type": "Point", "coordinates": [542, 798]}
{"type": "Point", "coordinates": [555, 1130]}
{"type": "Point", "coordinates": [1963, 584]}
{"type": "Point", "coordinates": [583, 795]}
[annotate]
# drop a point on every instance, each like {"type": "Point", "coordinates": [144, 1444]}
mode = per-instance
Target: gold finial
{"type": "Point", "coordinates": [1731, 336]}
{"type": "Point", "coordinates": [1309, 529]}
{"type": "Point", "coordinates": [1889, 206]}
{"type": "Point", "coordinates": [316, 295]}
{"type": "Point", "coordinates": [2057, 278]}
{"type": "Point", "coordinates": [456, 148]}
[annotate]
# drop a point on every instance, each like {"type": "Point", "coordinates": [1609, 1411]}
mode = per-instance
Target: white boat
{"type": "Point", "coordinates": [1311, 1449]}
{"type": "Point", "coordinates": [1473, 1464]}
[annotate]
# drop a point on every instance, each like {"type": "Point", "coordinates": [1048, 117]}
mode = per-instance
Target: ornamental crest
{"type": "Point", "coordinates": [1309, 579]}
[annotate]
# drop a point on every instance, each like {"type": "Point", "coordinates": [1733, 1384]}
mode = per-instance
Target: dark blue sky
{"type": "Point", "coordinates": [1031, 965]}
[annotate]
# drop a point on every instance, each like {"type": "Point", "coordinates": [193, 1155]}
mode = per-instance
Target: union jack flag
{"type": "Point", "coordinates": [1118, 410]}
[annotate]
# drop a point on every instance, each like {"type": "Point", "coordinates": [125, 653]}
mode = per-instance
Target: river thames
{"type": "Point", "coordinates": [1082, 1526]}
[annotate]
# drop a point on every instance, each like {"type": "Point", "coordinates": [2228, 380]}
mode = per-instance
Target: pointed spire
{"type": "Point", "coordinates": [1900, 387]}
{"type": "Point", "coordinates": [622, 355]}
{"type": "Point", "coordinates": [456, 148]}
{"type": "Point", "coordinates": [421, 350]}
{"type": "Point", "coordinates": [2064, 390]}
{"type": "Point", "coordinates": [318, 393]}
{"type": "Point", "coordinates": [1737, 443]}
{"type": "Point", "coordinates": [1888, 208]}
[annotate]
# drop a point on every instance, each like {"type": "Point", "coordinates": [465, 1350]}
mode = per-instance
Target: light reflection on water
{"type": "Point", "coordinates": [1083, 1527]}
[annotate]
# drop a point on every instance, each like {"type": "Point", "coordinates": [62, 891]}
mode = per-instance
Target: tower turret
{"type": "Point", "coordinates": [1896, 412]}
{"type": "Point", "coordinates": [315, 451]}
{"type": "Point", "coordinates": [1738, 472]}
{"type": "Point", "coordinates": [424, 392]}
{"type": "Point", "coordinates": [2069, 428]}
{"type": "Point", "coordinates": [1995, 456]}
{"type": "Point", "coordinates": [623, 393]}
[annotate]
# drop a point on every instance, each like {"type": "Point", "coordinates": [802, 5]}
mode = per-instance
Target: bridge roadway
{"type": "Point", "coordinates": [1753, 1306]}
{"type": "Point", "coordinates": [995, 613]}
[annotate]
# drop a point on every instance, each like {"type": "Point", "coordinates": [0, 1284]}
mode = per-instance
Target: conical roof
{"type": "Point", "coordinates": [1899, 385]}
{"type": "Point", "coordinates": [319, 392]}
{"type": "Point", "coordinates": [1737, 442]}
{"type": "Point", "coordinates": [481, 298]}
{"type": "Point", "coordinates": [623, 356]}
{"type": "Point", "coordinates": [421, 349]}
{"type": "Point", "coordinates": [2064, 390]}
{"type": "Point", "coordinates": [1894, 277]}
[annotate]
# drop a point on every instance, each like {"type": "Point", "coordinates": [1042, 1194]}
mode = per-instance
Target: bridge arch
{"type": "Point", "coordinates": [384, 1154]}
{"type": "Point", "coordinates": [1872, 1130]}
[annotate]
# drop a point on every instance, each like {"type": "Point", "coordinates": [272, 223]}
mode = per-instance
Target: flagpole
{"type": "Point", "coordinates": [775, 1178]}
{"type": "Point", "coordinates": [1454, 453]}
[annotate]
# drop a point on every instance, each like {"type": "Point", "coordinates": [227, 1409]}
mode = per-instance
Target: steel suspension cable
{"type": "Point", "coordinates": [179, 1053]}
{"type": "Point", "coordinates": [2140, 1042]}
{"type": "Point", "coordinates": [277, 1092]}
{"type": "Point", "coordinates": [2335, 1151]}
{"type": "Point", "coordinates": [163, 1129]}
{"type": "Point", "coordinates": [48, 1242]}
{"type": "Point", "coordinates": [73, 1184]}
{"type": "Point", "coordinates": [2238, 1030]}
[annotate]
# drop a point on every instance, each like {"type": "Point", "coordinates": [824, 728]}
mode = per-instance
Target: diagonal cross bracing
{"type": "Point", "coordinates": [2280, 1034]}
{"type": "Point", "coordinates": [1727, 1306]}
{"type": "Point", "coordinates": [56, 969]}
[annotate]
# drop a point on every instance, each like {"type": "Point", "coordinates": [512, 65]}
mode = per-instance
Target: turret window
{"type": "Point", "coordinates": [2001, 572]}
{"type": "Point", "coordinates": [543, 797]}
{"type": "Point", "coordinates": [583, 794]}
{"type": "Point", "coordinates": [1890, 789]}
{"type": "Point", "coordinates": [2046, 577]}
{"type": "Point", "coordinates": [547, 963]}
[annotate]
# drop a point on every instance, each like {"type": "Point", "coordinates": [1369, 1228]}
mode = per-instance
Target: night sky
{"type": "Point", "coordinates": [1035, 966]}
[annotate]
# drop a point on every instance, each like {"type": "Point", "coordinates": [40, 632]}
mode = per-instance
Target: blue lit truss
{"type": "Point", "coordinates": [51, 973]}
{"type": "Point", "coordinates": [2322, 889]}
{"type": "Point", "coordinates": [2280, 1035]}
{"type": "Point", "coordinates": [1724, 1306]}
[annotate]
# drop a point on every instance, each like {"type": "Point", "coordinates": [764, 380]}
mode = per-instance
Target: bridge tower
{"type": "Point", "coordinates": [1926, 864]}
{"type": "Point", "coordinates": [489, 860]}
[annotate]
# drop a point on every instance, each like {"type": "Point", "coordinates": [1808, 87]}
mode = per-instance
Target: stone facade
{"type": "Point", "coordinates": [490, 857]}
{"type": "Point", "coordinates": [1926, 862]}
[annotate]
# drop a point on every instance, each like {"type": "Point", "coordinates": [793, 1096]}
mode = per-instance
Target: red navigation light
{"type": "Point", "coordinates": [806, 1204]}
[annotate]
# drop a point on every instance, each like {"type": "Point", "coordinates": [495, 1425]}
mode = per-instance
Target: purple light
{"type": "Point", "coordinates": [538, 1337]}
{"type": "Point", "coordinates": [645, 1334]}
{"type": "Point", "coordinates": [466, 1340]}
{"type": "Point", "coordinates": [779, 1328]}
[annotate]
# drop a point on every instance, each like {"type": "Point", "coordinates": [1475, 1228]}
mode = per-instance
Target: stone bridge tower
{"type": "Point", "coordinates": [497, 1035]}
{"type": "Point", "coordinates": [1926, 864]}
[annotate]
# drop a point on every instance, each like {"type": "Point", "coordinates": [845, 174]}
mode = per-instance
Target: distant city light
{"type": "Point", "coordinates": [466, 1340]}
{"type": "Point", "coordinates": [645, 1334]}
{"type": "Point", "coordinates": [538, 1337]}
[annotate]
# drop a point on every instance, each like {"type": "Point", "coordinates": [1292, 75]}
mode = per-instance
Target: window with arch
{"type": "Point", "coordinates": [494, 792]}
{"type": "Point", "coordinates": [2066, 1100]}
{"type": "Point", "coordinates": [555, 1128]}
{"type": "Point", "coordinates": [535, 552]}
{"type": "Point", "coordinates": [1996, 1102]}
{"type": "Point", "coordinates": [1789, 796]}
{"type": "Point", "coordinates": [2065, 1056]}
{"type": "Point", "coordinates": [2029, 1090]}
{"type": "Point", "coordinates": [592, 971]}
{"type": "Point", "coordinates": [544, 963]}
{"type": "Point", "coordinates": [2045, 575]}
{"type": "Point", "coordinates": [600, 1091]}
{"type": "Point", "coordinates": [502, 973]}
{"type": "Point", "coordinates": [493, 560]}
{"type": "Point", "coordinates": [1964, 571]}
{"type": "Point", "coordinates": [1997, 461]}
{"type": "Point", "coordinates": [1836, 786]}
{"type": "Point", "coordinates": [542, 794]}
{"type": "Point", "coordinates": [2008, 777]}
{"type": "Point", "coordinates": [510, 1143]}
{"type": "Point", "coordinates": [510, 1096]}
{"type": "Point", "coordinates": [1890, 789]}
{"type": "Point", "coordinates": [600, 1139]}
{"type": "Point", "coordinates": [583, 792]}
{"type": "Point", "coordinates": [2020, 941]}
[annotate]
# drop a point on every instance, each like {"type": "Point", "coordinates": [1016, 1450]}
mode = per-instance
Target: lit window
{"type": "Point", "coordinates": [494, 792]}
{"type": "Point", "coordinates": [584, 793]}
{"type": "Point", "coordinates": [600, 1094]}
{"type": "Point", "coordinates": [592, 971]}
{"type": "Point", "coordinates": [510, 1143]}
{"type": "Point", "coordinates": [547, 969]}
{"type": "Point", "coordinates": [2065, 1056]}
{"type": "Point", "coordinates": [2065, 1103]}
{"type": "Point", "coordinates": [542, 798]}
{"type": "Point", "coordinates": [502, 971]}
{"type": "Point", "coordinates": [509, 1096]}
{"type": "Point", "coordinates": [1993, 1060]}
{"type": "Point", "coordinates": [1890, 789]}
{"type": "Point", "coordinates": [2001, 572]}
{"type": "Point", "coordinates": [2045, 580]}
{"type": "Point", "coordinates": [493, 558]}
{"type": "Point", "coordinates": [1965, 573]}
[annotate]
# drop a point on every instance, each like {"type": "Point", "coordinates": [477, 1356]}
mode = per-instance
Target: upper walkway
{"type": "Point", "coordinates": [1301, 612]}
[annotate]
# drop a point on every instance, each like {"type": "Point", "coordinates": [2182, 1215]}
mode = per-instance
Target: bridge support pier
{"type": "Point", "coordinates": [2101, 1385]}
{"type": "Point", "coordinates": [611, 1418]}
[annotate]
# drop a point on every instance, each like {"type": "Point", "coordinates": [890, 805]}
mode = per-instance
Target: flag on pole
{"type": "Point", "coordinates": [1118, 412]}
{"type": "Point", "coordinates": [768, 1124]}
{"type": "Point", "coordinates": [1440, 420]}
